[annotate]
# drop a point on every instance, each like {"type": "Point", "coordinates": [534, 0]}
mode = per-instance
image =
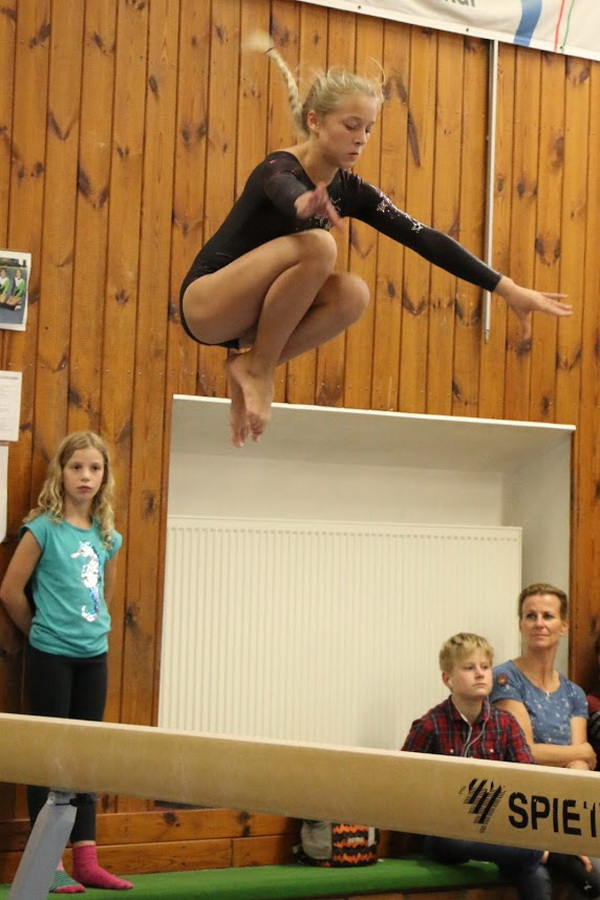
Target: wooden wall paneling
{"type": "Point", "coordinates": [10, 641]}
{"type": "Point", "coordinates": [493, 353]}
{"type": "Point", "coordinates": [167, 824]}
{"type": "Point", "coordinates": [144, 552]}
{"type": "Point", "coordinates": [331, 356]}
{"type": "Point", "coordinates": [444, 303]}
{"type": "Point", "coordinates": [58, 229]}
{"type": "Point", "coordinates": [263, 851]}
{"type": "Point", "coordinates": [302, 371]}
{"type": "Point", "coordinates": [153, 317]}
{"type": "Point", "coordinates": [419, 196]}
{"type": "Point", "coordinates": [585, 612]}
{"type": "Point", "coordinates": [25, 228]}
{"type": "Point", "coordinates": [121, 303]}
{"type": "Point", "coordinates": [221, 158]}
{"type": "Point", "coordinates": [390, 260]}
{"type": "Point", "coordinates": [189, 186]}
{"type": "Point", "coordinates": [253, 103]}
{"type": "Point", "coordinates": [281, 132]}
{"type": "Point", "coordinates": [8, 35]}
{"type": "Point", "coordinates": [548, 231]}
{"type": "Point", "coordinates": [93, 192]}
{"type": "Point", "coordinates": [576, 203]}
{"type": "Point", "coordinates": [187, 235]}
{"type": "Point", "coordinates": [90, 251]}
{"type": "Point", "coordinates": [523, 222]}
{"type": "Point", "coordinates": [364, 240]}
{"type": "Point", "coordinates": [25, 210]}
{"type": "Point", "coordinates": [576, 200]}
{"type": "Point", "coordinates": [468, 337]}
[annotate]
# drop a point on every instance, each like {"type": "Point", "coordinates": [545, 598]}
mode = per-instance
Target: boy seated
{"type": "Point", "coordinates": [466, 724]}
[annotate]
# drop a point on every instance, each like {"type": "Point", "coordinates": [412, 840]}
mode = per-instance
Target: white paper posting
{"type": "Point", "coordinates": [10, 405]}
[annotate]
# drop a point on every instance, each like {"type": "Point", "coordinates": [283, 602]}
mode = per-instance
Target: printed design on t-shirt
{"type": "Point", "coordinates": [90, 575]}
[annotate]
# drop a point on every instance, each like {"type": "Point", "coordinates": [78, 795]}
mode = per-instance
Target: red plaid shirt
{"type": "Point", "coordinates": [495, 734]}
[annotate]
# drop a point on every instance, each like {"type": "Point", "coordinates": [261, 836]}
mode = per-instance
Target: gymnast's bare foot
{"type": "Point", "coordinates": [238, 417]}
{"type": "Point", "coordinates": [257, 391]}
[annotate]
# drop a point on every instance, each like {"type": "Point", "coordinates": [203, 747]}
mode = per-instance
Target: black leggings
{"type": "Point", "coordinates": [66, 687]}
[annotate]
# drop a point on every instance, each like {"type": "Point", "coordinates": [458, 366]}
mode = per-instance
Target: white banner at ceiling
{"type": "Point", "coordinates": [560, 26]}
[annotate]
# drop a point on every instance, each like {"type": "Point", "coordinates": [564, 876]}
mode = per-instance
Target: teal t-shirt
{"type": "Point", "coordinates": [71, 617]}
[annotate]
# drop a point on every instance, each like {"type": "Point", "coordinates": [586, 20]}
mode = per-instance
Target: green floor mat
{"type": "Point", "coordinates": [295, 882]}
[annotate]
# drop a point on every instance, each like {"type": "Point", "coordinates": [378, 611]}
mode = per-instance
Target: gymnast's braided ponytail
{"type": "Point", "coordinates": [263, 43]}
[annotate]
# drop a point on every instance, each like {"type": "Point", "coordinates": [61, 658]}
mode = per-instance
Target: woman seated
{"type": "Point", "coordinates": [551, 710]}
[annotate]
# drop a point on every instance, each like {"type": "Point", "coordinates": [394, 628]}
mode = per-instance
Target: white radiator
{"type": "Point", "coordinates": [323, 631]}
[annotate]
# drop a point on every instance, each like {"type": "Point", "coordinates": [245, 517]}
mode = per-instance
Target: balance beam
{"type": "Point", "coordinates": [504, 803]}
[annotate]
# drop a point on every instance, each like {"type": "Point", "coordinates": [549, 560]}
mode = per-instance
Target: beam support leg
{"type": "Point", "coordinates": [44, 848]}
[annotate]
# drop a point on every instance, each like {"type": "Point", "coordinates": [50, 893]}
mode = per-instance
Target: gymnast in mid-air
{"type": "Point", "coordinates": [265, 284]}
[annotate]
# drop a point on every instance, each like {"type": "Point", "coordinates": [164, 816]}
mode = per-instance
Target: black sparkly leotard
{"type": "Point", "coordinates": [265, 210]}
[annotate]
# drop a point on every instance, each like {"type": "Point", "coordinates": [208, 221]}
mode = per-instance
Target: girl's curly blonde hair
{"type": "Point", "coordinates": [51, 499]}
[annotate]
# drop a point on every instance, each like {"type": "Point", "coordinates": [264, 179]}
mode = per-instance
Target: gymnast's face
{"type": "Point", "coordinates": [343, 134]}
{"type": "Point", "coordinates": [471, 677]}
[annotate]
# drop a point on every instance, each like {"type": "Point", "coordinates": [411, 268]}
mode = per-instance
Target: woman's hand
{"type": "Point", "coordinates": [524, 301]}
{"type": "Point", "coordinates": [317, 203]}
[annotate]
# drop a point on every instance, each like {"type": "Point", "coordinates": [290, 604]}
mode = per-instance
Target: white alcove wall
{"type": "Point", "coordinates": [458, 505]}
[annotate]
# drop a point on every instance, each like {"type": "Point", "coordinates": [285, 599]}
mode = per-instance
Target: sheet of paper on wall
{"type": "Point", "coordinates": [3, 489]}
{"type": "Point", "coordinates": [10, 405]}
{"type": "Point", "coordinates": [15, 274]}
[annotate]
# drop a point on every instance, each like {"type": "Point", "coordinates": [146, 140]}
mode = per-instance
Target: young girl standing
{"type": "Point", "coordinates": [66, 559]}
{"type": "Point", "coordinates": [266, 283]}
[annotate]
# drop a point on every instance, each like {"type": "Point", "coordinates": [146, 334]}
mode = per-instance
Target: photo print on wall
{"type": "Point", "coordinates": [15, 270]}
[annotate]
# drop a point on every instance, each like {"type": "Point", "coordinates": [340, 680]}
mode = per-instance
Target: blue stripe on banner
{"type": "Point", "coordinates": [532, 10]}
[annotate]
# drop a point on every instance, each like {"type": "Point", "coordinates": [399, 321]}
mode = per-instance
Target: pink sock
{"type": "Point", "coordinates": [87, 871]}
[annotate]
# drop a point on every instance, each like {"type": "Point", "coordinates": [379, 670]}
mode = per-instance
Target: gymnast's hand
{"type": "Point", "coordinates": [524, 301]}
{"type": "Point", "coordinates": [317, 203]}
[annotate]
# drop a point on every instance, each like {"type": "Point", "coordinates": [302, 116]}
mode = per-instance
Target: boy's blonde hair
{"type": "Point", "coordinates": [461, 645]}
{"type": "Point", "coordinates": [51, 499]}
{"type": "Point", "coordinates": [327, 92]}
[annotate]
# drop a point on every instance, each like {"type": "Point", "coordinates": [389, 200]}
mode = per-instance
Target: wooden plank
{"type": "Point", "coordinates": [93, 183]}
{"type": "Point", "coordinates": [8, 36]}
{"type": "Point", "coordinates": [121, 297]}
{"type": "Point", "coordinates": [191, 138]}
{"type": "Point", "coordinates": [184, 856]}
{"type": "Point", "coordinates": [143, 550]}
{"type": "Point", "coordinates": [586, 488]}
{"type": "Point", "coordinates": [166, 825]}
{"type": "Point", "coordinates": [389, 286]}
{"type": "Point", "coordinates": [364, 240]}
{"type": "Point", "coordinates": [493, 353]}
{"type": "Point", "coordinates": [27, 194]}
{"type": "Point", "coordinates": [573, 234]}
{"type": "Point", "coordinates": [263, 851]}
{"type": "Point", "coordinates": [281, 133]}
{"type": "Point", "coordinates": [58, 226]}
{"type": "Point", "coordinates": [331, 357]}
{"type": "Point", "coordinates": [27, 45]}
{"type": "Point", "coordinates": [419, 192]}
{"type": "Point", "coordinates": [523, 224]}
{"type": "Point", "coordinates": [444, 302]}
{"type": "Point", "coordinates": [548, 234]}
{"type": "Point", "coordinates": [525, 805]}
{"type": "Point", "coordinates": [468, 336]}
{"type": "Point", "coordinates": [301, 372]}
{"type": "Point", "coordinates": [220, 158]}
